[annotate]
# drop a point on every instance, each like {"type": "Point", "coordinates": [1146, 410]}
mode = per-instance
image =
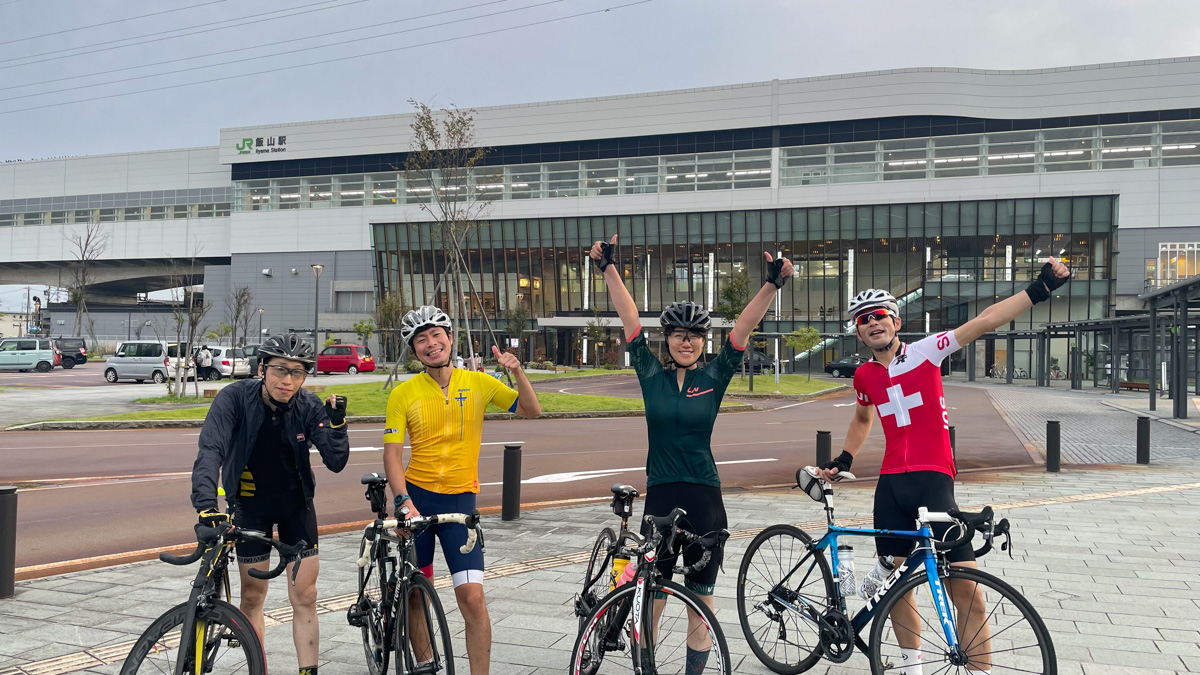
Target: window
{"type": "Point", "coordinates": [8, 346]}
{"type": "Point", "coordinates": [289, 193]}
{"type": "Point", "coordinates": [641, 175]}
{"type": "Point", "coordinates": [150, 350]}
{"type": "Point", "coordinates": [181, 211]}
{"type": "Point", "coordinates": [32, 218]}
{"type": "Point", "coordinates": [563, 179]}
{"type": "Point", "coordinates": [384, 189]}
{"type": "Point", "coordinates": [158, 212]}
{"type": "Point", "coordinates": [751, 169]}
{"type": "Point", "coordinates": [256, 195]}
{"type": "Point", "coordinates": [853, 162]}
{"type": "Point", "coordinates": [26, 345]}
{"type": "Point", "coordinates": [319, 192]}
{"type": "Point", "coordinates": [352, 301]}
{"type": "Point", "coordinates": [489, 182]}
{"type": "Point", "coordinates": [81, 216]}
{"type": "Point", "coordinates": [58, 217]}
{"type": "Point", "coordinates": [804, 165]}
{"type": "Point", "coordinates": [525, 181]}
{"type": "Point", "coordinates": [1014, 152]}
{"type": "Point", "coordinates": [956, 156]}
{"type": "Point", "coordinates": [350, 190]}
{"type": "Point", "coordinates": [132, 213]}
{"type": "Point", "coordinates": [1068, 149]}
{"type": "Point", "coordinates": [8, 219]}
{"type": "Point", "coordinates": [1127, 146]}
{"type": "Point", "coordinates": [602, 177]}
{"type": "Point", "coordinates": [1181, 143]}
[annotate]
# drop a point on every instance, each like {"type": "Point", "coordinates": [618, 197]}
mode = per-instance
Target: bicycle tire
{"type": "Point", "coordinates": [225, 627]}
{"type": "Point", "coordinates": [429, 661]}
{"type": "Point", "coordinates": [376, 601]}
{"type": "Point", "coordinates": [600, 562]}
{"type": "Point", "coordinates": [668, 653]}
{"type": "Point", "coordinates": [1025, 661]}
{"type": "Point", "coordinates": [752, 593]}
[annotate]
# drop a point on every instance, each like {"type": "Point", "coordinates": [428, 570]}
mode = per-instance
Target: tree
{"type": "Point", "coordinates": [364, 329]}
{"type": "Point", "coordinates": [187, 318]}
{"type": "Point", "coordinates": [735, 295]}
{"type": "Point", "coordinates": [596, 331]}
{"type": "Point", "coordinates": [86, 247]}
{"type": "Point", "coordinates": [389, 312]}
{"type": "Point", "coordinates": [440, 170]}
{"type": "Point", "coordinates": [517, 319]}
{"type": "Point", "coordinates": [803, 340]}
{"type": "Point", "coordinates": [238, 306]}
{"type": "Point", "coordinates": [219, 333]}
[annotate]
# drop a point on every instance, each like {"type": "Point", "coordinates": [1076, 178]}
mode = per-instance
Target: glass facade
{"type": "Point", "coordinates": [939, 259]}
{"type": "Point", "coordinates": [1086, 148]}
{"type": "Point", "coordinates": [119, 206]}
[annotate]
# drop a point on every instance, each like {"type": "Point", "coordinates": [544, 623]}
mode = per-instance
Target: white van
{"type": "Point", "coordinates": [141, 360]}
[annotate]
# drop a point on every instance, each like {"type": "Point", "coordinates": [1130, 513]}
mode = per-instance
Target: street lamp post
{"type": "Point", "coordinates": [260, 311]}
{"type": "Point", "coordinates": [317, 269]}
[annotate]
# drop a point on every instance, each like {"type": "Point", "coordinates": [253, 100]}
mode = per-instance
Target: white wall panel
{"type": "Point", "coordinates": [184, 238]}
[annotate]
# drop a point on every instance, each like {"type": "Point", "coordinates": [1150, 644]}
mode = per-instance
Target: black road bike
{"type": "Point", "coordinates": [207, 634]}
{"type": "Point", "coordinates": [397, 608]}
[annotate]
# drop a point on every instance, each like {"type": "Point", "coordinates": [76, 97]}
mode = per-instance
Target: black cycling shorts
{"type": "Point", "coordinates": [705, 513]}
{"type": "Point", "coordinates": [897, 498]}
{"type": "Point", "coordinates": [295, 519]}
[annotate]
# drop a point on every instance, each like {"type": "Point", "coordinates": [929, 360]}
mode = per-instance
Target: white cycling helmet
{"type": "Point", "coordinates": [873, 298]}
{"type": "Point", "coordinates": [420, 319]}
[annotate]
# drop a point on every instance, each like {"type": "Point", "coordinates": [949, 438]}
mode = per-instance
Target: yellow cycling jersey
{"type": "Point", "coordinates": [445, 429]}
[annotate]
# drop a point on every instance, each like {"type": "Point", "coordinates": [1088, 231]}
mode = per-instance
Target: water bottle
{"type": "Point", "coordinates": [627, 573]}
{"type": "Point", "coordinates": [619, 566]}
{"type": "Point", "coordinates": [875, 578]}
{"type": "Point", "coordinates": [845, 570]}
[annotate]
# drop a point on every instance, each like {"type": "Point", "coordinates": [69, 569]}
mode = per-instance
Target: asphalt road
{"type": "Point", "coordinates": [105, 492]}
{"type": "Point", "coordinates": [90, 374]}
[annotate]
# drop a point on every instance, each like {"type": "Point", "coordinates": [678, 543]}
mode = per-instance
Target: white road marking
{"type": "Point", "coordinates": [572, 476]}
{"type": "Point", "coordinates": [790, 405]}
{"type": "Point", "coordinates": [842, 405]}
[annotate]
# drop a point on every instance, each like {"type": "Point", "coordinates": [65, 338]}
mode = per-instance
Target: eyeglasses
{"type": "Point", "coordinates": [283, 371]}
{"type": "Point", "coordinates": [683, 336]}
{"type": "Point", "coordinates": [878, 314]}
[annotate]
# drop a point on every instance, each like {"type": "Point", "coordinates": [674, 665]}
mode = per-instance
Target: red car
{"type": "Point", "coordinates": [345, 359]}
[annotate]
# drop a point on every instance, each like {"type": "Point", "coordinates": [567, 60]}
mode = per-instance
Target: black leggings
{"type": "Point", "coordinates": [705, 513]}
{"type": "Point", "coordinates": [897, 498]}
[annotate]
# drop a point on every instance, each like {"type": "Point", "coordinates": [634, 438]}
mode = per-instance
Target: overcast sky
{"type": "Point", "coordinates": [634, 47]}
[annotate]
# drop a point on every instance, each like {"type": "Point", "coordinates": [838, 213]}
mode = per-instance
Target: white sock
{"type": "Point", "coordinates": [978, 672]}
{"type": "Point", "coordinates": [910, 662]}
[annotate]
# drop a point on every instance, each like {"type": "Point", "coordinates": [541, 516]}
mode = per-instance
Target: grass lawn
{"type": "Point", "coordinates": [534, 377]}
{"type": "Point", "coordinates": [788, 384]}
{"type": "Point", "coordinates": [171, 400]}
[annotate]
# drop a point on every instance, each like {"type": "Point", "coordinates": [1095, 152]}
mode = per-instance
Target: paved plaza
{"type": "Point", "coordinates": [1109, 555]}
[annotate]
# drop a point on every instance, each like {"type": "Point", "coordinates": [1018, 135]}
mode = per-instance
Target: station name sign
{"type": "Point", "coordinates": [261, 145]}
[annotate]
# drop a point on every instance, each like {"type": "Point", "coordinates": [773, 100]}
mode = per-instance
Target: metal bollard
{"type": "Point", "coordinates": [953, 447]}
{"type": "Point", "coordinates": [824, 448]}
{"type": "Point", "coordinates": [8, 540]}
{"type": "Point", "coordinates": [1143, 440]}
{"type": "Point", "coordinates": [1053, 449]}
{"type": "Point", "coordinates": [510, 500]}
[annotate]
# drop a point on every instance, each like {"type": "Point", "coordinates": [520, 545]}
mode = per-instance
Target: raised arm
{"type": "Point", "coordinates": [777, 272]}
{"type": "Point", "coordinates": [604, 253]}
{"type": "Point", "coordinates": [1053, 275]}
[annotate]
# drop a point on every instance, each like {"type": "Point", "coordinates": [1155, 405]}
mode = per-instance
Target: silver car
{"type": "Point", "coordinates": [229, 362]}
{"type": "Point", "coordinates": [141, 360]}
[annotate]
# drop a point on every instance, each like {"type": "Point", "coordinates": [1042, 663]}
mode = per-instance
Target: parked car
{"type": "Point", "coordinates": [139, 360]}
{"type": "Point", "coordinates": [345, 359]}
{"type": "Point", "coordinates": [28, 353]}
{"type": "Point", "coordinates": [759, 362]}
{"type": "Point", "coordinates": [251, 352]}
{"type": "Point", "coordinates": [74, 348]}
{"type": "Point", "coordinates": [845, 366]}
{"type": "Point", "coordinates": [173, 361]}
{"type": "Point", "coordinates": [228, 362]}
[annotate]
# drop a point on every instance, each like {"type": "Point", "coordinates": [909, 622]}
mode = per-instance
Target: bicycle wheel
{"type": "Point", "coordinates": [595, 582]}
{"type": "Point", "coordinates": [605, 645]}
{"type": "Point", "coordinates": [422, 636]}
{"type": "Point", "coordinates": [226, 640]}
{"type": "Point", "coordinates": [783, 588]}
{"type": "Point", "coordinates": [1000, 632]}
{"type": "Point", "coordinates": [375, 605]}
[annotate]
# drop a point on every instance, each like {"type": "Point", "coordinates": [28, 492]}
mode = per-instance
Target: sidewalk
{"type": "Point", "coordinates": [1117, 582]}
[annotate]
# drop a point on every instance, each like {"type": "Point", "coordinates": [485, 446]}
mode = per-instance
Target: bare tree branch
{"type": "Point", "coordinates": [86, 247]}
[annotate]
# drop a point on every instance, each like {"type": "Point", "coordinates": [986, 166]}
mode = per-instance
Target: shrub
{"type": "Point", "coordinates": [413, 366]}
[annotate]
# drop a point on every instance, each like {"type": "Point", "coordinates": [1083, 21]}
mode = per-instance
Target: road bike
{"type": "Point", "coordinates": [649, 624]}
{"type": "Point", "coordinates": [998, 371]}
{"type": "Point", "coordinates": [607, 562]}
{"type": "Point", "coordinates": [397, 608]}
{"type": "Point", "coordinates": [207, 634]}
{"type": "Point", "coordinates": [793, 607]}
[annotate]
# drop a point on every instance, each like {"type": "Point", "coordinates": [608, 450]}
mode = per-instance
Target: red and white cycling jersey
{"type": "Point", "coordinates": [908, 397]}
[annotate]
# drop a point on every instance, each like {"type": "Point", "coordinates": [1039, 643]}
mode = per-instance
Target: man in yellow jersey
{"type": "Point", "coordinates": [442, 409]}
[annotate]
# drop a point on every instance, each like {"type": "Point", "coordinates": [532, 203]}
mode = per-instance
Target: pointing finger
{"type": "Point", "coordinates": [769, 258]}
{"type": "Point", "coordinates": [614, 239]}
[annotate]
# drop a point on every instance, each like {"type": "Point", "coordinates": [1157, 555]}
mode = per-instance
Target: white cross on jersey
{"type": "Point", "coordinates": [898, 404]}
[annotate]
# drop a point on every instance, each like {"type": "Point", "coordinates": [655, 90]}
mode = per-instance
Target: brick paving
{"type": "Point", "coordinates": [1117, 582]}
{"type": "Point", "coordinates": [1091, 432]}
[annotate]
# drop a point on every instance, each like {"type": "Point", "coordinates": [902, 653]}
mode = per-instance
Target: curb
{"type": "Point", "coordinates": [99, 425]}
{"type": "Point", "coordinates": [1169, 421]}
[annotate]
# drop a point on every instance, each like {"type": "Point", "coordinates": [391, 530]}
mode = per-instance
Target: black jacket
{"type": "Point", "coordinates": [231, 429]}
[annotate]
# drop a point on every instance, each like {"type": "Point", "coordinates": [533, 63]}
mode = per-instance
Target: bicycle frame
{"type": "Point", "coordinates": [204, 586]}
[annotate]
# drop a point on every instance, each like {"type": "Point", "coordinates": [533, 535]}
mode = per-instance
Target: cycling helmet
{"type": "Point", "coordinates": [686, 315]}
{"type": "Point", "coordinates": [420, 319]}
{"type": "Point", "coordinates": [288, 346]}
{"type": "Point", "coordinates": [873, 298]}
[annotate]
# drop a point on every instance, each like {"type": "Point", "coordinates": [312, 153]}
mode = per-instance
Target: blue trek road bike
{"type": "Point", "coordinates": [793, 609]}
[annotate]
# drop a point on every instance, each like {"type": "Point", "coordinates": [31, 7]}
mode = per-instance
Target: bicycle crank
{"type": "Point", "coordinates": [837, 636]}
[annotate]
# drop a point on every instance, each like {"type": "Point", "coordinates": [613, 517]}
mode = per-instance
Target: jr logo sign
{"type": "Point", "coordinates": [246, 146]}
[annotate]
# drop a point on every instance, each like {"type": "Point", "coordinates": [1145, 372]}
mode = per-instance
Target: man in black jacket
{"type": "Point", "coordinates": [257, 437]}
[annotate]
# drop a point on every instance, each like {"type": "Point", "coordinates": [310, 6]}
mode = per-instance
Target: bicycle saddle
{"type": "Point", "coordinates": [624, 491]}
{"type": "Point", "coordinates": [373, 479]}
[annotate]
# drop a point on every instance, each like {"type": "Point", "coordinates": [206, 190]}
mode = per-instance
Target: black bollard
{"type": "Point", "coordinates": [953, 447]}
{"type": "Point", "coordinates": [510, 498]}
{"type": "Point", "coordinates": [1053, 449]}
{"type": "Point", "coordinates": [1143, 440]}
{"type": "Point", "coordinates": [8, 540]}
{"type": "Point", "coordinates": [824, 448]}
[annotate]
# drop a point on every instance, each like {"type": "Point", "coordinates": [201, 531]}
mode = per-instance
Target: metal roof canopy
{"type": "Point", "coordinates": [1185, 287]}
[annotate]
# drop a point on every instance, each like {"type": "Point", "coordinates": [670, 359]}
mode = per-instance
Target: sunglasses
{"type": "Point", "coordinates": [878, 314]}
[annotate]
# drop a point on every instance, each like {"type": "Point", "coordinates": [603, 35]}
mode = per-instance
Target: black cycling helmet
{"type": "Point", "coordinates": [288, 346]}
{"type": "Point", "coordinates": [686, 315]}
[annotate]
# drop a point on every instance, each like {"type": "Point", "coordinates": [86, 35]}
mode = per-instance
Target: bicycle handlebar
{"type": "Point", "coordinates": [968, 523]}
{"type": "Point", "coordinates": [207, 536]}
{"type": "Point", "coordinates": [471, 520]}
{"type": "Point", "coordinates": [713, 541]}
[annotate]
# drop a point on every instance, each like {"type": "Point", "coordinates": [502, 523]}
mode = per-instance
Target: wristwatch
{"type": "Point", "coordinates": [400, 499]}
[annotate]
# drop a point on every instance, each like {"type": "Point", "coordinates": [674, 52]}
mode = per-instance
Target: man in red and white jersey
{"type": "Point", "coordinates": [904, 385]}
